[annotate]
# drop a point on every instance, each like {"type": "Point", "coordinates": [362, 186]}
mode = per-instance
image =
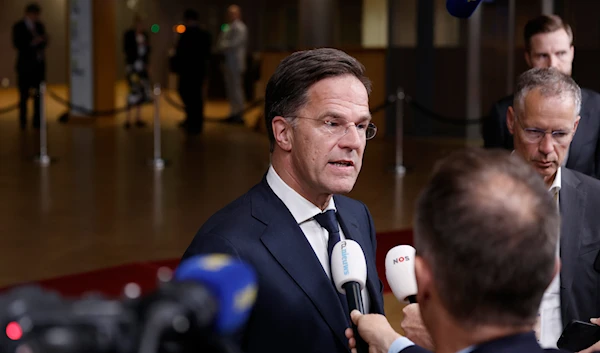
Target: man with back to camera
{"type": "Point", "coordinates": [318, 122]}
{"type": "Point", "coordinates": [549, 43]}
{"type": "Point", "coordinates": [30, 39]}
{"type": "Point", "coordinates": [543, 120]}
{"type": "Point", "coordinates": [476, 202]}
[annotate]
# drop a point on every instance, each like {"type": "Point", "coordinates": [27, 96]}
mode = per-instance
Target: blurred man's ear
{"type": "Point", "coordinates": [528, 59]}
{"type": "Point", "coordinates": [424, 278]}
{"type": "Point", "coordinates": [510, 120]}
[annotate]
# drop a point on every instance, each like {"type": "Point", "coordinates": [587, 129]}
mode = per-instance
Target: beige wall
{"type": "Point", "coordinates": [374, 24]}
{"type": "Point", "coordinates": [54, 17]}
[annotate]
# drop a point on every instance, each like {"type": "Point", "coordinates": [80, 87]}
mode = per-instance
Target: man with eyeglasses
{"type": "Point", "coordinates": [318, 123]}
{"type": "Point", "coordinates": [549, 43]}
{"type": "Point", "coordinates": [543, 119]}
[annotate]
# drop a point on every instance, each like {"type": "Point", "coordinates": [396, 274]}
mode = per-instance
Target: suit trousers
{"type": "Point", "coordinates": [27, 81]}
{"type": "Point", "coordinates": [234, 90]}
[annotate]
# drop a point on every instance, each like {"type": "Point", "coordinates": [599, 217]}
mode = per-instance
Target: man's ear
{"type": "Point", "coordinates": [282, 131]}
{"type": "Point", "coordinates": [510, 120]}
{"type": "Point", "coordinates": [576, 124]}
{"type": "Point", "coordinates": [424, 278]}
{"type": "Point", "coordinates": [528, 58]}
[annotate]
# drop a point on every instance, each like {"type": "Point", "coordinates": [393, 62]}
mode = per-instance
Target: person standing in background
{"type": "Point", "coordinates": [30, 39]}
{"type": "Point", "coordinates": [232, 42]}
{"type": "Point", "coordinates": [137, 54]}
{"type": "Point", "coordinates": [190, 62]}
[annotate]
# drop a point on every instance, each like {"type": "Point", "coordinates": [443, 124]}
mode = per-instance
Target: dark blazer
{"type": "Point", "coordinates": [130, 47]}
{"type": "Point", "coordinates": [584, 153]}
{"type": "Point", "coordinates": [519, 343]}
{"type": "Point", "coordinates": [28, 60]}
{"type": "Point", "coordinates": [297, 308]}
{"type": "Point", "coordinates": [579, 200]}
{"type": "Point", "coordinates": [192, 53]}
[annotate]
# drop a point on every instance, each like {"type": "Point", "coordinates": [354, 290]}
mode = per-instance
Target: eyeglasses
{"type": "Point", "coordinates": [339, 126]}
{"type": "Point", "coordinates": [534, 135]}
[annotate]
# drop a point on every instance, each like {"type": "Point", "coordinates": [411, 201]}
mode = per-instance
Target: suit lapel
{"type": "Point", "coordinates": [287, 243]}
{"type": "Point", "coordinates": [572, 203]}
{"type": "Point", "coordinates": [352, 231]}
{"type": "Point", "coordinates": [575, 147]}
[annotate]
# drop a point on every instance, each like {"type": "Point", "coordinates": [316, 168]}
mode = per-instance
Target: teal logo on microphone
{"type": "Point", "coordinates": [345, 259]}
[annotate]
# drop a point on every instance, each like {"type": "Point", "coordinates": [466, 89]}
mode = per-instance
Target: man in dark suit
{"type": "Point", "coordinates": [549, 43]}
{"type": "Point", "coordinates": [30, 40]}
{"type": "Point", "coordinates": [543, 121]}
{"type": "Point", "coordinates": [486, 232]}
{"type": "Point", "coordinates": [190, 62]}
{"type": "Point", "coordinates": [318, 122]}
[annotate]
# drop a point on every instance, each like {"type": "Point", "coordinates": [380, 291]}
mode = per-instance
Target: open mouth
{"type": "Point", "coordinates": [342, 163]}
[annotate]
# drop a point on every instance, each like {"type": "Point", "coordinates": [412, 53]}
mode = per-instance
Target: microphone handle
{"type": "Point", "coordinates": [412, 299]}
{"type": "Point", "coordinates": [354, 298]}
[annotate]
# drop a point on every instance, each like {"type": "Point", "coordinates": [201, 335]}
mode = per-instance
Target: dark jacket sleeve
{"type": "Point", "coordinates": [20, 37]}
{"type": "Point", "coordinates": [492, 128]}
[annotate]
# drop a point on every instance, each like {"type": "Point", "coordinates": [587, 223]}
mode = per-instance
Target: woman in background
{"type": "Point", "coordinates": [137, 53]}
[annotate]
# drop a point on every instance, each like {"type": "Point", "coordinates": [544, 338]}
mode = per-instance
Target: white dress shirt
{"type": "Point", "coordinates": [549, 318]}
{"type": "Point", "coordinates": [303, 212]}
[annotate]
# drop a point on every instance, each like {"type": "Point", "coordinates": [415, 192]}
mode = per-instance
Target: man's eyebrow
{"type": "Point", "coordinates": [335, 115]}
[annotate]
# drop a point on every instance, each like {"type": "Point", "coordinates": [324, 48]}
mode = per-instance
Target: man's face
{"type": "Point", "coordinates": [546, 152]}
{"type": "Point", "coordinates": [553, 49]}
{"type": "Point", "coordinates": [33, 16]}
{"type": "Point", "coordinates": [323, 163]}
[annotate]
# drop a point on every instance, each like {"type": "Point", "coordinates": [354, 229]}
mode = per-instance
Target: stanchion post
{"type": "Point", "coordinates": [43, 159]}
{"type": "Point", "coordinates": [399, 166]}
{"type": "Point", "coordinates": [157, 162]}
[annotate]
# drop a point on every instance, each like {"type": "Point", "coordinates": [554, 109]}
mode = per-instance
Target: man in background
{"type": "Point", "coordinates": [549, 43]}
{"type": "Point", "coordinates": [232, 42]}
{"type": "Point", "coordinates": [190, 62]}
{"type": "Point", "coordinates": [30, 39]}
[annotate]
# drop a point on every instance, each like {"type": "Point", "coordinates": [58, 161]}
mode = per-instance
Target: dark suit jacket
{"type": "Point", "coordinates": [130, 47]}
{"type": "Point", "coordinates": [192, 53]}
{"type": "Point", "coordinates": [519, 343]}
{"type": "Point", "coordinates": [28, 60]}
{"type": "Point", "coordinates": [297, 308]}
{"type": "Point", "coordinates": [579, 200]}
{"type": "Point", "coordinates": [584, 153]}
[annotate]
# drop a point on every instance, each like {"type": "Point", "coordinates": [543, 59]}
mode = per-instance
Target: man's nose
{"type": "Point", "coordinates": [547, 144]}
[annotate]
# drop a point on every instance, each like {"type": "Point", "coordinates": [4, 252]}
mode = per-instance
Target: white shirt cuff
{"type": "Point", "coordinates": [400, 344]}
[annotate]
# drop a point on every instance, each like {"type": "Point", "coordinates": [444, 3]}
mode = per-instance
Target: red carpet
{"type": "Point", "coordinates": [111, 281]}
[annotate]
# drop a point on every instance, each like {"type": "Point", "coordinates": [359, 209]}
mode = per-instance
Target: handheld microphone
{"type": "Point", "coordinates": [400, 272]}
{"type": "Point", "coordinates": [231, 283]}
{"type": "Point", "coordinates": [349, 273]}
{"type": "Point", "coordinates": [462, 8]}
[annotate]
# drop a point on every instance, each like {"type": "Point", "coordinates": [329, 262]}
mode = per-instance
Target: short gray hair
{"type": "Point", "coordinates": [551, 82]}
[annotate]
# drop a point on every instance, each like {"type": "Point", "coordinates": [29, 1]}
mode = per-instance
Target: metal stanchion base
{"type": "Point", "coordinates": [400, 170]}
{"type": "Point", "coordinates": [44, 160]}
{"type": "Point", "coordinates": [158, 163]}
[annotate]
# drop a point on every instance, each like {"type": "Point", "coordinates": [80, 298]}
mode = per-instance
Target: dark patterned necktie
{"type": "Point", "coordinates": [328, 220]}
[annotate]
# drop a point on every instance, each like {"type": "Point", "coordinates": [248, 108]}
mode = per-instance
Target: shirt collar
{"type": "Point", "coordinates": [468, 349]}
{"type": "Point", "coordinates": [556, 184]}
{"type": "Point", "coordinates": [301, 209]}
